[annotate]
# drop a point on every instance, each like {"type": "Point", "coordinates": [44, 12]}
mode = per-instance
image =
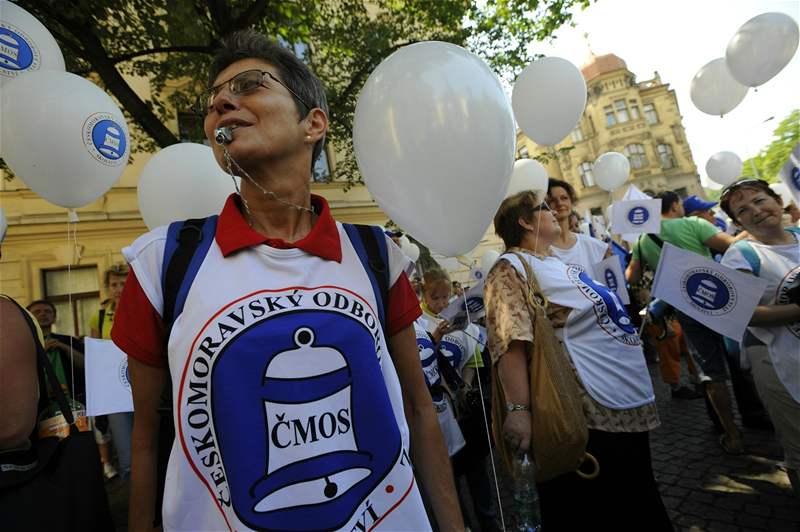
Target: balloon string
{"type": "Point", "coordinates": [72, 246]}
{"type": "Point", "coordinates": [486, 425]}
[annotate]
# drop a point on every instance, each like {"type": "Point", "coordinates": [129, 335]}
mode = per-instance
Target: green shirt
{"type": "Point", "coordinates": [686, 233]}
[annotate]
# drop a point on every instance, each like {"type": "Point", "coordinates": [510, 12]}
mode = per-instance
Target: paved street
{"type": "Point", "coordinates": [704, 489]}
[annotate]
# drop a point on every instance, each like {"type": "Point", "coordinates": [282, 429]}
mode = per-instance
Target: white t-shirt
{"type": "Point", "coordinates": [780, 267]}
{"type": "Point", "coordinates": [451, 432]}
{"type": "Point", "coordinates": [287, 406]}
{"type": "Point", "coordinates": [586, 253]}
{"type": "Point", "coordinates": [599, 336]}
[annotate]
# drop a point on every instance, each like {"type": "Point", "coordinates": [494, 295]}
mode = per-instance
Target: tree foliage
{"type": "Point", "coordinates": [170, 43]}
{"type": "Point", "coordinates": [771, 159]}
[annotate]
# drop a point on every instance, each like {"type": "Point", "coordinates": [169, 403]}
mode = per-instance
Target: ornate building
{"type": "Point", "coordinates": [639, 119]}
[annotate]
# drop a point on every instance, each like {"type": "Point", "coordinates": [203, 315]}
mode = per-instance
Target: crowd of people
{"type": "Point", "coordinates": [288, 374]}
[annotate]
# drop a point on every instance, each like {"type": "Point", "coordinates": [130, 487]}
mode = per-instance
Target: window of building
{"type": "Point", "coordinates": [622, 111]}
{"type": "Point", "coordinates": [636, 155]}
{"type": "Point", "coordinates": [577, 134]}
{"type": "Point", "coordinates": [322, 170]}
{"type": "Point", "coordinates": [650, 114]}
{"type": "Point", "coordinates": [596, 211]}
{"type": "Point", "coordinates": [633, 105]}
{"type": "Point", "coordinates": [666, 156]}
{"type": "Point", "coordinates": [611, 119]}
{"type": "Point", "coordinates": [190, 128]}
{"type": "Point", "coordinates": [76, 309]}
{"type": "Point", "coordinates": [523, 153]}
{"type": "Point", "coordinates": [587, 174]}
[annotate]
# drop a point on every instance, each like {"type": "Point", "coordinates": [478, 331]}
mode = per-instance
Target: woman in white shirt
{"type": "Point", "coordinates": [772, 252]}
{"type": "Point", "coordinates": [572, 248]}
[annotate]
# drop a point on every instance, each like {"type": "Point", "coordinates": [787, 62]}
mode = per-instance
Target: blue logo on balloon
{"type": "Point", "coordinates": [795, 177]}
{"type": "Point", "coordinates": [638, 215]}
{"type": "Point", "coordinates": [15, 52]}
{"type": "Point", "coordinates": [611, 279]}
{"type": "Point", "coordinates": [707, 291]}
{"type": "Point", "coordinates": [109, 139]}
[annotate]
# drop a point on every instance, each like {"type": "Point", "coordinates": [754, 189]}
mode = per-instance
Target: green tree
{"type": "Point", "coordinates": [770, 160]}
{"type": "Point", "coordinates": [169, 41]}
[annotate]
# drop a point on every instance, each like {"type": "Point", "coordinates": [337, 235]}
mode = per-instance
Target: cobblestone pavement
{"type": "Point", "coordinates": [704, 489]}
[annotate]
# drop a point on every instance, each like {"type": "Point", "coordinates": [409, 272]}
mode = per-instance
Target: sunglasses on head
{"type": "Point", "coordinates": [733, 186]}
{"type": "Point", "coordinates": [542, 206]}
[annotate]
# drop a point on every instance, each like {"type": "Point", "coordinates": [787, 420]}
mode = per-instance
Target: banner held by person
{"type": "Point", "coordinates": [720, 298]}
{"type": "Point", "coordinates": [468, 309]}
{"type": "Point", "coordinates": [636, 216]}
{"type": "Point", "coordinates": [609, 272]}
{"type": "Point", "coordinates": [790, 173]}
{"type": "Point", "coordinates": [108, 385]}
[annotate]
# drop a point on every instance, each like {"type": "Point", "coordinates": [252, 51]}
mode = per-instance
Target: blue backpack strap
{"type": "Point", "coordinates": [186, 248]}
{"type": "Point", "coordinates": [370, 245]}
{"type": "Point", "coordinates": [749, 255]}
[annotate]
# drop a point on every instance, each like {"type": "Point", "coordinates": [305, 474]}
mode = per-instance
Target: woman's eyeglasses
{"type": "Point", "coordinates": [241, 83]}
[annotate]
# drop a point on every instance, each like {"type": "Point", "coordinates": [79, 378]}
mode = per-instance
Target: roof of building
{"type": "Point", "coordinates": [602, 64]}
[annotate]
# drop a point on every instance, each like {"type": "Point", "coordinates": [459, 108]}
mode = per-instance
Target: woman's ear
{"type": "Point", "coordinates": [525, 224]}
{"type": "Point", "coordinates": [316, 125]}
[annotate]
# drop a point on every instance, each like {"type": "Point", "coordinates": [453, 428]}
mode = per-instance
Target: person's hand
{"type": "Point", "coordinates": [517, 431]}
{"type": "Point", "coordinates": [52, 343]}
{"type": "Point", "coordinates": [442, 329]}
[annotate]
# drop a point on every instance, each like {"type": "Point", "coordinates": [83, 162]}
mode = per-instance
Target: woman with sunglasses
{"type": "Point", "coordinates": [771, 252]}
{"type": "Point", "coordinates": [298, 399]}
{"type": "Point", "coordinates": [593, 330]}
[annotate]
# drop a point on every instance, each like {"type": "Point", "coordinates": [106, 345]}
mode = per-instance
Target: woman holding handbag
{"type": "Point", "coordinates": [568, 359]}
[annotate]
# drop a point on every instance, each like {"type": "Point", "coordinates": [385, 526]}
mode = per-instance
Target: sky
{"type": "Point", "coordinates": [677, 38]}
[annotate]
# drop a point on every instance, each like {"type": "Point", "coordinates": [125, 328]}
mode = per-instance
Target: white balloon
{"type": "Point", "coordinates": [724, 167]}
{"type": "Point", "coordinates": [548, 98]}
{"type": "Point", "coordinates": [63, 136]}
{"type": "Point", "coordinates": [488, 259]}
{"type": "Point", "coordinates": [434, 139]}
{"type": "Point", "coordinates": [783, 191]}
{"type": "Point", "coordinates": [528, 174]}
{"type": "Point", "coordinates": [762, 47]}
{"type": "Point", "coordinates": [412, 252]}
{"type": "Point", "coordinates": [25, 44]}
{"type": "Point", "coordinates": [404, 242]}
{"type": "Point", "coordinates": [714, 91]}
{"type": "Point", "coordinates": [611, 170]}
{"type": "Point", "coordinates": [181, 182]}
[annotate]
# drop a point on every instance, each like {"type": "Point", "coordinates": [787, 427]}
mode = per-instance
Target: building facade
{"type": "Point", "coordinates": [642, 120]}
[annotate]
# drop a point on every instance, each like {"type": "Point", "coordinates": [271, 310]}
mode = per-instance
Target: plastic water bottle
{"type": "Point", "coordinates": [526, 497]}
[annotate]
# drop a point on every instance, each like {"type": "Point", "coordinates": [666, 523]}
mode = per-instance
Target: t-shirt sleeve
{"type": "Point", "coordinates": [507, 315]}
{"type": "Point", "coordinates": [138, 329]}
{"type": "Point", "coordinates": [734, 258]}
{"type": "Point", "coordinates": [597, 249]}
{"type": "Point", "coordinates": [403, 307]}
{"type": "Point", "coordinates": [704, 229]}
{"type": "Point", "coordinates": [635, 251]}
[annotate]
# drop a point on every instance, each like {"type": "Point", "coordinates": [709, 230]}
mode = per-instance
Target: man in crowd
{"type": "Point", "coordinates": [698, 236]}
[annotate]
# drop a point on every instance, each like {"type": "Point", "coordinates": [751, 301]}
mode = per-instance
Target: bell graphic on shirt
{"type": "Point", "coordinates": [307, 432]}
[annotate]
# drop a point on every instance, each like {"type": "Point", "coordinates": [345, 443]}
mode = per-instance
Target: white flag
{"type": "Point", "coordinates": [108, 386]}
{"type": "Point", "coordinates": [632, 217]}
{"type": "Point", "coordinates": [609, 272]}
{"type": "Point", "coordinates": [790, 173]}
{"type": "Point", "coordinates": [720, 298]}
{"type": "Point", "coordinates": [467, 308]}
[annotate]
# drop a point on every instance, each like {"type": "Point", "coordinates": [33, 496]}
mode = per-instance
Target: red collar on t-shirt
{"type": "Point", "coordinates": [234, 233]}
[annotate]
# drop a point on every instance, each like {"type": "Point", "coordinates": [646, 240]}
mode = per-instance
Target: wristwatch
{"type": "Point", "coordinates": [511, 407]}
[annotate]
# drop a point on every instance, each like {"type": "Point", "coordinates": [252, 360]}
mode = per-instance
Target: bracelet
{"type": "Point", "coordinates": [511, 407]}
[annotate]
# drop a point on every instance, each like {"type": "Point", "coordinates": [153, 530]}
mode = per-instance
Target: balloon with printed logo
{"type": "Point", "coordinates": [548, 98]}
{"type": "Point", "coordinates": [63, 136]}
{"type": "Point", "coordinates": [528, 174]}
{"type": "Point", "coordinates": [714, 91]}
{"type": "Point", "coordinates": [762, 47]}
{"type": "Point", "coordinates": [724, 167]}
{"type": "Point", "coordinates": [25, 44]}
{"type": "Point", "coordinates": [434, 139]}
{"type": "Point", "coordinates": [611, 170]}
{"type": "Point", "coordinates": [181, 182]}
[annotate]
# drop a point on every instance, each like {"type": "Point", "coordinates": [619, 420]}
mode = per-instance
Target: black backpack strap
{"type": "Point", "coordinates": [656, 239]}
{"type": "Point", "coordinates": [370, 245]}
{"type": "Point", "coordinates": [188, 236]}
